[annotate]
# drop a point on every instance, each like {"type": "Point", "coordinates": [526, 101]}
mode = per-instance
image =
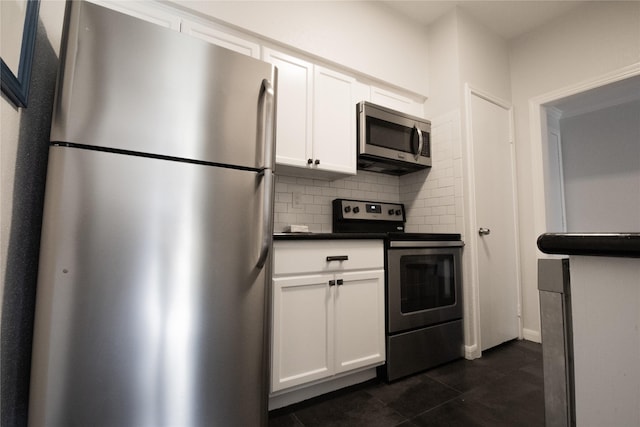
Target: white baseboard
{"type": "Point", "coordinates": [471, 352]}
{"type": "Point", "coordinates": [286, 398]}
{"type": "Point", "coordinates": [531, 335]}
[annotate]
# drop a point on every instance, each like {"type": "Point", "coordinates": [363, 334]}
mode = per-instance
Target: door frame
{"type": "Point", "coordinates": [539, 141]}
{"type": "Point", "coordinates": [472, 244]}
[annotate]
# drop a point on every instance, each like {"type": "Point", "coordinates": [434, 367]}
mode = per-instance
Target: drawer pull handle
{"type": "Point", "coordinates": [338, 258]}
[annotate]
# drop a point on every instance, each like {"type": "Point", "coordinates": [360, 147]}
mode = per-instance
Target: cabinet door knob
{"type": "Point", "coordinates": [340, 282]}
{"type": "Point", "coordinates": [317, 162]}
{"type": "Point", "coordinates": [332, 282]}
{"type": "Point", "coordinates": [309, 161]}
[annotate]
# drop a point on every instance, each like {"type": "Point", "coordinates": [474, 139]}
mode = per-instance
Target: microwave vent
{"type": "Point", "coordinates": [387, 166]}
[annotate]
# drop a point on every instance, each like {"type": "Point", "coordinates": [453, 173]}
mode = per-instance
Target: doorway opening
{"type": "Point", "coordinates": [591, 159]}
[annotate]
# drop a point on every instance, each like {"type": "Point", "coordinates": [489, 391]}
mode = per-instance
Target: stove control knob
{"type": "Point", "coordinates": [356, 210]}
{"type": "Point", "coordinates": [398, 212]}
{"type": "Point", "coordinates": [347, 209]}
{"type": "Point", "coordinates": [391, 212]}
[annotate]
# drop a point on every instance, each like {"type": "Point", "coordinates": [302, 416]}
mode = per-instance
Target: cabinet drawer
{"type": "Point", "coordinates": [309, 256]}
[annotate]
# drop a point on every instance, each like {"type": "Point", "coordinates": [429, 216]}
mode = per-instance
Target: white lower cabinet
{"type": "Point", "coordinates": [302, 313]}
{"type": "Point", "coordinates": [359, 320]}
{"type": "Point", "coordinates": [326, 323]}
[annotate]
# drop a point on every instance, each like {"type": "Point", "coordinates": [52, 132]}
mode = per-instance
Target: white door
{"type": "Point", "coordinates": [495, 233]}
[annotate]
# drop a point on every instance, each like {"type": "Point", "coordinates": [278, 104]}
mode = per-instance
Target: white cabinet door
{"type": "Point", "coordinates": [295, 92]}
{"type": "Point", "coordinates": [147, 11]}
{"type": "Point", "coordinates": [397, 102]}
{"type": "Point", "coordinates": [221, 38]}
{"type": "Point", "coordinates": [359, 320]}
{"type": "Point", "coordinates": [334, 122]}
{"type": "Point", "coordinates": [302, 330]}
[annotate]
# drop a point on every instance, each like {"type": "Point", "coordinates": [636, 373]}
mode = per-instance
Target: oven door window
{"type": "Point", "coordinates": [426, 282]}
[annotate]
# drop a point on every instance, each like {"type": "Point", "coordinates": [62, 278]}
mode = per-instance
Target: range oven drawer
{"type": "Point", "coordinates": [424, 348]}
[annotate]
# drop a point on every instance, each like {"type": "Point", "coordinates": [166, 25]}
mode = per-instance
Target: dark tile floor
{"type": "Point", "coordinates": [503, 388]}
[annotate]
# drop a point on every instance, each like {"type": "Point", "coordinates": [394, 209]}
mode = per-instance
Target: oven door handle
{"type": "Point", "coordinates": [427, 244]}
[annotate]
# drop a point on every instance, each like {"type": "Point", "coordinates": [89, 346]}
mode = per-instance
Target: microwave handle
{"type": "Point", "coordinates": [420, 142]}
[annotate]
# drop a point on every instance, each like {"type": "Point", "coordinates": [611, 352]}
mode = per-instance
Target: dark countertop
{"type": "Point", "coordinates": [327, 236]}
{"type": "Point", "coordinates": [594, 244]}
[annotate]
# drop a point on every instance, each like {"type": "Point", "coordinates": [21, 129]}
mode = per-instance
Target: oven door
{"type": "Point", "coordinates": [424, 287]}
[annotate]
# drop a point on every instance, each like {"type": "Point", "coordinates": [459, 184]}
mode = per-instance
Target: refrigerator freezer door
{"type": "Point", "coordinates": [130, 85]}
{"type": "Point", "coordinates": [150, 307]}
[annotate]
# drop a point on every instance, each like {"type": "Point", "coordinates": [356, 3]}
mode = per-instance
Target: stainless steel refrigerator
{"type": "Point", "coordinates": [154, 266]}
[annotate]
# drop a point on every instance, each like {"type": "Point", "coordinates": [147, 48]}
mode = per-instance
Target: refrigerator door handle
{"type": "Point", "coordinates": [267, 107]}
{"type": "Point", "coordinates": [268, 125]}
{"type": "Point", "coordinates": [267, 223]}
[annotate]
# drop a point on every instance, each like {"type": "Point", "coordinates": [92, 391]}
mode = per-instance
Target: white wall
{"type": "Point", "coordinates": [364, 36]}
{"type": "Point", "coordinates": [484, 58]}
{"type": "Point", "coordinates": [445, 93]}
{"type": "Point", "coordinates": [23, 159]}
{"type": "Point", "coordinates": [601, 167]}
{"type": "Point", "coordinates": [605, 299]}
{"type": "Point", "coordinates": [461, 51]}
{"type": "Point", "coordinates": [592, 40]}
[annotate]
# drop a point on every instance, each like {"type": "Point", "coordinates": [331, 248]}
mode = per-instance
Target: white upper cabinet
{"type": "Point", "coordinates": [295, 92]}
{"type": "Point", "coordinates": [396, 101]}
{"type": "Point", "coordinates": [316, 118]}
{"type": "Point", "coordinates": [334, 122]}
{"type": "Point", "coordinates": [221, 38]}
{"type": "Point", "coordinates": [146, 11]}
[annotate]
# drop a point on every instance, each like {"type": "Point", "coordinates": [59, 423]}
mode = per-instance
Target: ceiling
{"type": "Point", "coordinates": [508, 19]}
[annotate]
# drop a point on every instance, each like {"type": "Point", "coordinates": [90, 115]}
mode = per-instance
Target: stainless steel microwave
{"type": "Point", "coordinates": [392, 142]}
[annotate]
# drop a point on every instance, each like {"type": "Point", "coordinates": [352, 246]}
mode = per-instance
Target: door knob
{"type": "Point", "coordinates": [484, 231]}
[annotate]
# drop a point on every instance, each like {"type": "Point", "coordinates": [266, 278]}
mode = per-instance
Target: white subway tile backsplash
{"type": "Point", "coordinates": [433, 197]}
{"type": "Point", "coordinates": [447, 219]}
{"type": "Point", "coordinates": [313, 197]}
{"type": "Point", "coordinates": [446, 182]}
{"type": "Point", "coordinates": [439, 210]}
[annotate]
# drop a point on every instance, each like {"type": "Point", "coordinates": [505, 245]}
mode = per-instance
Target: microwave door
{"type": "Point", "coordinates": [391, 139]}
